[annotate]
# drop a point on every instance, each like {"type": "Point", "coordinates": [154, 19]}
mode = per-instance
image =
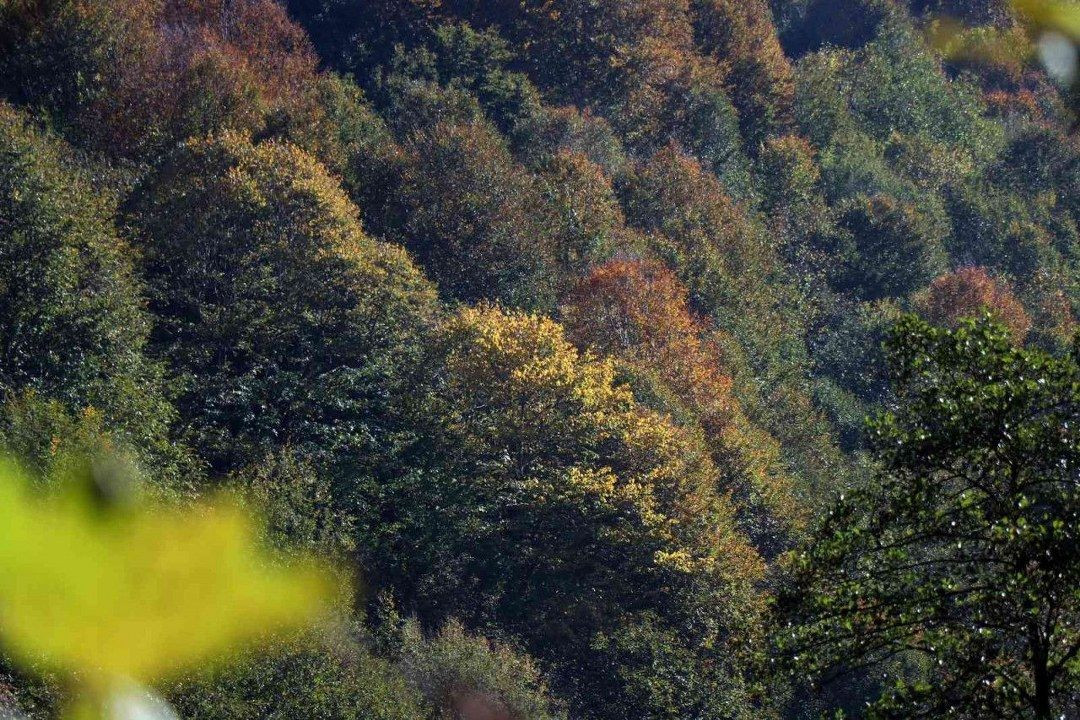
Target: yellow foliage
{"type": "Point", "coordinates": [114, 593]}
{"type": "Point", "coordinates": [552, 401]}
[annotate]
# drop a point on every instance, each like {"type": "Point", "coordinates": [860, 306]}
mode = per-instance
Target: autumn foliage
{"type": "Point", "coordinates": [970, 292]}
{"type": "Point", "coordinates": [638, 311]}
{"type": "Point", "coordinates": [162, 70]}
{"type": "Point", "coordinates": [559, 319]}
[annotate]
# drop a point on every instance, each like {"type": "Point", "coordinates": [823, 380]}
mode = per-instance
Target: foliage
{"type": "Point", "coordinates": [963, 549]}
{"type": "Point", "coordinates": [552, 500]}
{"type": "Point", "coordinates": [150, 591]}
{"type": "Point", "coordinates": [741, 34]}
{"type": "Point", "coordinates": [638, 312]}
{"type": "Point", "coordinates": [896, 248]}
{"type": "Point", "coordinates": [316, 677]}
{"type": "Point", "coordinates": [61, 62]}
{"type": "Point", "coordinates": [467, 676]}
{"type": "Point", "coordinates": [297, 502]}
{"type": "Point", "coordinates": [971, 292]}
{"type": "Point", "coordinates": [732, 200]}
{"type": "Point", "coordinates": [734, 277]}
{"type": "Point", "coordinates": [282, 321]}
{"type": "Point", "coordinates": [136, 77]}
{"type": "Point", "coordinates": [474, 218]}
{"type": "Point", "coordinates": [72, 325]}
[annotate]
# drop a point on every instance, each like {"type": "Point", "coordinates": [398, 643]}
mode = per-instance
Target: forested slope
{"type": "Point", "coordinates": [558, 320]}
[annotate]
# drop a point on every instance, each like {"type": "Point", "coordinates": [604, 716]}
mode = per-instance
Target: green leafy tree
{"type": "Point", "coordinates": [474, 218]}
{"type": "Point", "coordinates": [312, 677]}
{"type": "Point", "coordinates": [963, 551]}
{"type": "Point", "coordinates": [72, 326]}
{"type": "Point", "coordinates": [467, 676]}
{"type": "Point", "coordinates": [283, 322]}
{"type": "Point", "coordinates": [56, 56]}
{"type": "Point", "coordinates": [896, 250]}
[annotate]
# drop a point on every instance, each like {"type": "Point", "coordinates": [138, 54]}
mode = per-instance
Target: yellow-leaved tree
{"type": "Point", "coordinates": [554, 506]}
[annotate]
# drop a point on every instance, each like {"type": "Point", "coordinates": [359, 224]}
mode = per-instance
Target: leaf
{"type": "Point", "coordinates": [134, 593]}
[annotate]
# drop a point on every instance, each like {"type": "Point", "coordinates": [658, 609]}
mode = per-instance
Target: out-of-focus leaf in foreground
{"type": "Point", "coordinates": [114, 593]}
{"type": "Point", "coordinates": [1047, 29]}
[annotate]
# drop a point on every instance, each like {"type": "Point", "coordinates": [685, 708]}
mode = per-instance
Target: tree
{"type": "Point", "coordinates": [565, 129]}
{"type": "Point", "coordinates": [283, 322]}
{"type": "Point", "coordinates": [742, 35]}
{"type": "Point", "coordinates": [56, 56]}
{"type": "Point", "coordinates": [552, 506]}
{"type": "Point", "coordinates": [964, 549]}
{"type": "Point", "coordinates": [997, 228]}
{"type": "Point", "coordinates": [897, 249]}
{"type": "Point", "coordinates": [735, 278]}
{"type": "Point", "coordinates": [313, 677]}
{"type": "Point", "coordinates": [972, 292]}
{"type": "Point", "coordinates": [788, 181]}
{"type": "Point", "coordinates": [474, 218]}
{"type": "Point", "coordinates": [587, 220]}
{"type": "Point", "coordinates": [468, 676]}
{"type": "Point", "coordinates": [132, 77]}
{"type": "Point", "coordinates": [72, 327]}
{"type": "Point", "coordinates": [638, 312]}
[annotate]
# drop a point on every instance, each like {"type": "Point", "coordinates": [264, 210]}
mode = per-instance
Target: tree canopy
{"type": "Point", "coordinates": [962, 552]}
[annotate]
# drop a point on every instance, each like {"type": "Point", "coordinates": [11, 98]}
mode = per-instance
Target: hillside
{"type": "Point", "coordinates": [558, 322]}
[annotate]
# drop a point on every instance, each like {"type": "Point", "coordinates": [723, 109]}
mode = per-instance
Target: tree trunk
{"type": "Point", "coordinates": [1039, 659]}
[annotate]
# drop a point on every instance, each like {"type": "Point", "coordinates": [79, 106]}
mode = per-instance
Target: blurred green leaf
{"type": "Point", "coordinates": [117, 593]}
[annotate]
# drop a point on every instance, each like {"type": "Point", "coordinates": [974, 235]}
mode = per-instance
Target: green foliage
{"type": "Point", "coordinates": [554, 130]}
{"type": "Point", "coordinates": [297, 502]}
{"type": "Point", "coordinates": [72, 325]}
{"type": "Point", "coordinates": [474, 218]}
{"type": "Point", "coordinates": [58, 63]}
{"type": "Point", "coordinates": [281, 320]}
{"type": "Point", "coordinates": [308, 678]}
{"type": "Point", "coordinates": [477, 61]}
{"type": "Point", "coordinates": [995, 227]}
{"type": "Point", "coordinates": [741, 35]}
{"type": "Point", "coordinates": [848, 350]}
{"type": "Point", "coordinates": [894, 84]}
{"type": "Point", "coordinates": [963, 550]}
{"type": "Point", "coordinates": [896, 248]}
{"type": "Point", "coordinates": [735, 279]}
{"type": "Point", "coordinates": [467, 676]}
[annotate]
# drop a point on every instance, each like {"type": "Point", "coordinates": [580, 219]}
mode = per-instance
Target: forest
{"type": "Point", "coordinates": [624, 359]}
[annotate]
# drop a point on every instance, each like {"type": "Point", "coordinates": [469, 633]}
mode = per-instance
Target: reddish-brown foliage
{"type": "Point", "coordinates": [970, 292]}
{"type": "Point", "coordinates": [188, 67]}
{"type": "Point", "coordinates": [639, 312]}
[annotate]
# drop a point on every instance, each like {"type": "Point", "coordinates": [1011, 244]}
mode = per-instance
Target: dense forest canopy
{"type": "Point", "coordinates": [558, 323]}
